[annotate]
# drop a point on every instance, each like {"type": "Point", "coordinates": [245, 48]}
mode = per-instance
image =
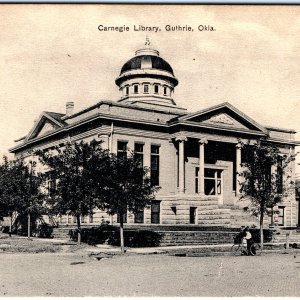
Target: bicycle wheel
{"type": "Point", "coordinates": [236, 249]}
{"type": "Point", "coordinates": [255, 249]}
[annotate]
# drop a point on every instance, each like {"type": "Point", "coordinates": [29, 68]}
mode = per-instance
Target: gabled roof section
{"type": "Point", "coordinates": [224, 116]}
{"type": "Point", "coordinates": [47, 122]}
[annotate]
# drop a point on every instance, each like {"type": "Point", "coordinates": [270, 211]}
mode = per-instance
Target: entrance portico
{"type": "Point", "coordinates": [208, 168]}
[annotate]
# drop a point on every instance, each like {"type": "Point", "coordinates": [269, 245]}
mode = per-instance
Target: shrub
{"type": "Point", "coordinates": [108, 234]}
{"type": "Point", "coordinates": [43, 231]}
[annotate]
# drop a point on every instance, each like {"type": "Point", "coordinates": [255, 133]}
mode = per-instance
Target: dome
{"type": "Point", "coordinates": [146, 63]}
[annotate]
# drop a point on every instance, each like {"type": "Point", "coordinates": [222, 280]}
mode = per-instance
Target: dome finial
{"type": "Point", "coordinates": [147, 43]}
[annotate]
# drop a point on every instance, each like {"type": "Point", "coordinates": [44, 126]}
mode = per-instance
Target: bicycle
{"type": "Point", "coordinates": [241, 249]}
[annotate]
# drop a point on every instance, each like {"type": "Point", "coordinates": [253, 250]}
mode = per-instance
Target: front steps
{"type": "Point", "coordinates": [283, 235]}
{"type": "Point", "coordinates": [239, 217]}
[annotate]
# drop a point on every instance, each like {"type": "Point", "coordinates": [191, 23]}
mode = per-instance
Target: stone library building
{"type": "Point", "coordinates": [194, 157]}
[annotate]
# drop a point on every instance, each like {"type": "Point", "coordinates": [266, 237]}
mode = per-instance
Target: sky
{"type": "Point", "coordinates": [52, 54]}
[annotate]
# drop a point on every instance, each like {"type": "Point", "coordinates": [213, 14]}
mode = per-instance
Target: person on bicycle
{"type": "Point", "coordinates": [248, 238]}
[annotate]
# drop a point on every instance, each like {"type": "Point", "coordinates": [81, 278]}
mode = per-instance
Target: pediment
{"type": "Point", "coordinates": [225, 116]}
{"type": "Point", "coordinates": [46, 128]}
{"type": "Point", "coordinates": [46, 123]}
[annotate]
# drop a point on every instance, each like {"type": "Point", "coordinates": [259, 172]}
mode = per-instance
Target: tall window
{"type": "Point", "coordinates": [136, 88]}
{"type": "Point", "coordinates": [139, 156]}
{"type": "Point", "coordinates": [197, 180]}
{"type": "Point", "coordinates": [279, 177]}
{"type": "Point", "coordinates": [51, 184]}
{"type": "Point", "coordinates": [139, 152]}
{"type": "Point", "coordinates": [122, 149]}
{"type": "Point", "coordinates": [154, 165]}
{"type": "Point", "coordinates": [155, 88]}
{"type": "Point", "coordinates": [281, 216]}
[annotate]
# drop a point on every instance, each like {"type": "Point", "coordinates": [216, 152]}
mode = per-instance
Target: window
{"type": "Point", "coordinates": [281, 216]}
{"type": "Point", "coordinates": [212, 182]}
{"type": "Point", "coordinates": [279, 177]}
{"type": "Point", "coordinates": [139, 156]}
{"type": "Point", "coordinates": [165, 90]}
{"type": "Point", "coordinates": [126, 90]}
{"type": "Point", "coordinates": [193, 214]}
{"type": "Point", "coordinates": [91, 218]}
{"type": "Point", "coordinates": [154, 165]}
{"type": "Point", "coordinates": [197, 180]}
{"type": "Point", "coordinates": [155, 212]}
{"type": "Point", "coordinates": [83, 220]}
{"type": "Point", "coordinates": [51, 184]}
{"type": "Point", "coordinates": [136, 89]}
{"type": "Point", "coordinates": [155, 88]}
{"type": "Point", "coordinates": [124, 218]}
{"type": "Point", "coordinates": [138, 152]}
{"type": "Point", "coordinates": [122, 149]}
{"type": "Point", "coordinates": [139, 217]}
{"type": "Point", "coordinates": [146, 88]}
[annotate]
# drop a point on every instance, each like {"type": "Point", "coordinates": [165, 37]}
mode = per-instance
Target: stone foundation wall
{"type": "Point", "coordinates": [173, 238]}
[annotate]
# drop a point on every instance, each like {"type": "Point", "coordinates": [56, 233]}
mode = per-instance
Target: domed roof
{"type": "Point", "coordinates": [150, 61]}
{"type": "Point", "coordinates": [146, 62]}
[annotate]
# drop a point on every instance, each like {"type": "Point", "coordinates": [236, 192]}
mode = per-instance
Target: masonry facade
{"type": "Point", "coordinates": [194, 157]}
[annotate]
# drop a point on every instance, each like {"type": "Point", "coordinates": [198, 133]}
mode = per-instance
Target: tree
{"type": "Point", "coordinates": [262, 177]}
{"type": "Point", "coordinates": [70, 178]}
{"type": "Point", "coordinates": [20, 189]}
{"type": "Point", "coordinates": [126, 186]}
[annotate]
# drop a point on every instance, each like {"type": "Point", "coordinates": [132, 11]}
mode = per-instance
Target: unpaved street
{"type": "Point", "coordinates": [148, 275]}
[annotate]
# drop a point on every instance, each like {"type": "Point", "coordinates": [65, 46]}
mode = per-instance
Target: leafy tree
{"type": "Point", "coordinates": [70, 174]}
{"type": "Point", "coordinates": [263, 167]}
{"type": "Point", "coordinates": [20, 189]}
{"type": "Point", "coordinates": [126, 186]}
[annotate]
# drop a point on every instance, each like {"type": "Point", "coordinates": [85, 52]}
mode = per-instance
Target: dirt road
{"type": "Point", "coordinates": [69, 274]}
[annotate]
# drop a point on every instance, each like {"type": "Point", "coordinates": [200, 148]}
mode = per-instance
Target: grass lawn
{"type": "Point", "coordinates": [22, 244]}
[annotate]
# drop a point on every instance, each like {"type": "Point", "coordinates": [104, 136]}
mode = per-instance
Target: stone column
{"type": "Point", "coordinates": [202, 143]}
{"type": "Point", "coordinates": [238, 148]}
{"type": "Point", "coordinates": [181, 140]}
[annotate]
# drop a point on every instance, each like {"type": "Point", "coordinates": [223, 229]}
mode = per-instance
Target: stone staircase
{"type": "Point", "coordinates": [211, 214]}
{"type": "Point", "coordinates": [281, 236]}
{"type": "Point", "coordinates": [240, 217]}
{"type": "Point", "coordinates": [61, 232]}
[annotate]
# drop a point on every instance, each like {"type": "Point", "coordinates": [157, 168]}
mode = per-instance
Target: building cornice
{"type": "Point", "coordinates": [178, 123]}
{"type": "Point", "coordinates": [129, 106]}
{"type": "Point", "coordinates": [217, 127]}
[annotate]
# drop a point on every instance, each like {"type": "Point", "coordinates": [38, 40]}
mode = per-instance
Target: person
{"type": "Point", "coordinates": [248, 238]}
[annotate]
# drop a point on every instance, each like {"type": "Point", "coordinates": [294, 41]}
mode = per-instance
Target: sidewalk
{"type": "Point", "coordinates": [187, 250]}
{"type": "Point", "coordinates": [182, 250]}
